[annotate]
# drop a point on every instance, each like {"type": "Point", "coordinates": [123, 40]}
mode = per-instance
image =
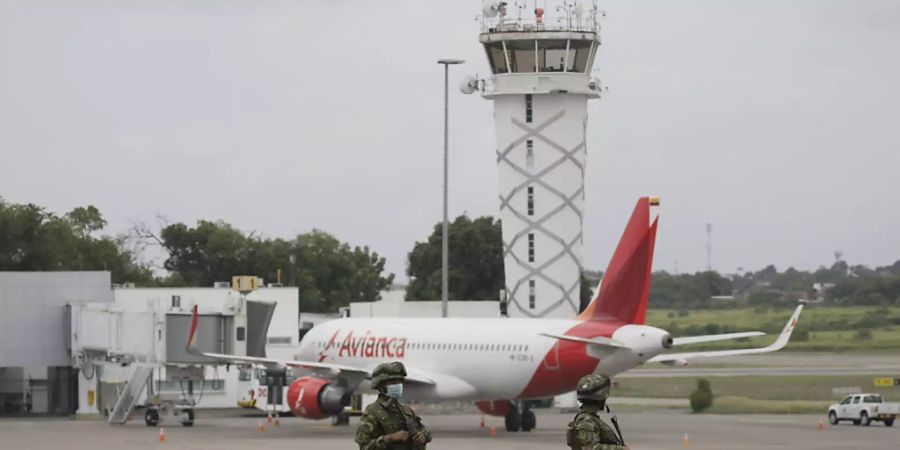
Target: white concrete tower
{"type": "Point", "coordinates": [540, 84]}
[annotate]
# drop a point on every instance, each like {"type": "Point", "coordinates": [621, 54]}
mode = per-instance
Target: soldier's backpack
{"type": "Point", "coordinates": [571, 441]}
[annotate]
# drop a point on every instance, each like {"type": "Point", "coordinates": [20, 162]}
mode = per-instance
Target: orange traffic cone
{"type": "Point", "coordinates": [277, 421]}
{"type": "Point", "coordinates": [269, 417]}
{"type": "Point", "coordinates": [261, 428]}
{"type": "Point", "coordinates": [821, 426]}
{"type": "Point", "coordinates": [684, 441]}
{"type": "Point", "coordinates": [482, 421]}
{"type": "Point", "coordinates": [162, 434]}
{"type": "Point", "coordinates": [493, 431]}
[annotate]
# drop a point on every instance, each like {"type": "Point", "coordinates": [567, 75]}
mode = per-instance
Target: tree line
{"type": "Point", "coordinates": [331, 274]}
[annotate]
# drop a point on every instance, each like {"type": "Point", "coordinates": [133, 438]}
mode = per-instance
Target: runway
{"type": "Point", "coordinates": [650, 430]}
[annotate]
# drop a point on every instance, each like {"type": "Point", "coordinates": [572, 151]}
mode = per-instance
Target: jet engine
{"type": "Point", "coordinates": [316, 398]}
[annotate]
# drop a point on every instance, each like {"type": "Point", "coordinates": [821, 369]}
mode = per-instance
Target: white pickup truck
{"type": "Point", "coordinates": [863, 409]}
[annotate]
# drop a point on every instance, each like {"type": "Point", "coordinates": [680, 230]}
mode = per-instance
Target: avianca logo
{"type": "Point", "coordinates": [365, 346]}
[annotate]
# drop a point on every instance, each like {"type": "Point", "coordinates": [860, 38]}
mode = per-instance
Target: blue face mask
{"type": "Point", "coordinates": [394, 390]}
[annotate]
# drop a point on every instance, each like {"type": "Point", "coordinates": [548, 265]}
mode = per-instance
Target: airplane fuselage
{"type": "Point", "coordinates": [483, 358]}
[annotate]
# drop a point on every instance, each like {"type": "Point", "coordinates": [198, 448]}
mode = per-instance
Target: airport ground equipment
{"type": "Point", "coordinates": [540, 83]}
{"type": "Point", "coordinates": [863, 409]}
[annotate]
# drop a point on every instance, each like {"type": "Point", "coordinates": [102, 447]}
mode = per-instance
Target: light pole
{"type": "Point", "coordinates": [444, 232]}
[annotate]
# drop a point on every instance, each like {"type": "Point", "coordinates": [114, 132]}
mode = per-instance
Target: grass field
{"type": "Point", "coordinates": [811, 388]}
{"type": "Point", "coordinates": [866, 328]}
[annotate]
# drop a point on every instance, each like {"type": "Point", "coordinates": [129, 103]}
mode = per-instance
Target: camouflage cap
{"type": "Point", "coordinates": [388, 371]}
{"type": "Point", "coordinates": [593, 387]}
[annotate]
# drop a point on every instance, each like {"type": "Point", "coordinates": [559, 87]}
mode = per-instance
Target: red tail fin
{"type": "Point", "coordinates": [626, 284]}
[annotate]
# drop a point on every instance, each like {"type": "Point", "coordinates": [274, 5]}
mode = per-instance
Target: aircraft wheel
{"type": "Point", "coordinates": [529, 421]}
{"type": "Point", "coordinates": [151, 417]}
{"type": "Point", "coordinates": [832, 418]}
{"type": "Point", "coordinates": [190, 418]}
{"type": "Point", "coordinates": [513, 421]}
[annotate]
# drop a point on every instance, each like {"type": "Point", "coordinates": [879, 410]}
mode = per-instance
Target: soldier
{"type": "Point", "coordinates": [387, 424]}
{"type": "Point", "coordinates": [588, 431]}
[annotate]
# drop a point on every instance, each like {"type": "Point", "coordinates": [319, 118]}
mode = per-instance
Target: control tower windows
{"type": "Point", "coordinates": [521, 55]}
{"type": "Point", "coordinates": [529, 155]}
{"type": "Point", "coordinates": [582, 50]}
{"type": "Point", "coordinates": [551, 55]}
{"type": "Point", "coordinates": [531, 247]}
{"type": "Point", "coordinates": [496, 57]}
{"type": "Point", "coordinates": [530, 200]}
{"type": "Point", "coordinates": [528, 108]}
{"type": "Point", "coordinates": [531, 294]}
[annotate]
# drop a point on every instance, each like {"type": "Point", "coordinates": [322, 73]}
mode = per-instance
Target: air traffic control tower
{"type": "Point", "coordinates": [540, 84]}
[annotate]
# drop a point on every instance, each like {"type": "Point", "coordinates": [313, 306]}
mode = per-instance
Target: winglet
{"type": "Point", "coordinates": [783, 338]}
{"type": "Point", "coordinates": [189, 346]}
{"type": "Point", "coordinates": [785, 335]}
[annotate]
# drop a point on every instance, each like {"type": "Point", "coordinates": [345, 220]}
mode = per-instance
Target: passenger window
{"type": "Point", "coordinates": [846, 401]}
{"type": "Point", "coordinates": [855, 400]}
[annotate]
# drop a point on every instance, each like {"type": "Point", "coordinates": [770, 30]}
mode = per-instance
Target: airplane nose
{"type": "Point", "coordinates": [667, 341]}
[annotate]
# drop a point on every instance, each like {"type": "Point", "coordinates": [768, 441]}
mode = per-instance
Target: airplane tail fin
{"type": "Point", "coordinates": [623, 291]}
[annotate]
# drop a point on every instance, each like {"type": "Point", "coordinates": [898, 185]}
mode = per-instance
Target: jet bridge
{"type": "Point", "coordinates": [136, 357]}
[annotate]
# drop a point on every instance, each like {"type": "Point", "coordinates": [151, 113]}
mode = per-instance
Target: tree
{"type": "Point", "coordinates": [702, 397]}
{"type": "Point", "coordinates": [33, 239]}
{"type": "Point", "coordinates": [475, 262]}
{"type": "Point", "coordinates": [329, 273]}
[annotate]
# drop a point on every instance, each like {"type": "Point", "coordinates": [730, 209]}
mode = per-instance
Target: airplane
{"type": "Point", "coordinates": [499, 363]}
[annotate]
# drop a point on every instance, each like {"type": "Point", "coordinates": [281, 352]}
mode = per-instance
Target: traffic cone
{"type": "Point", "coordinates": [162, 434]}
{"type": "Point", "coordinates": [261, 428]}
{"type": "Point", "coordinates": [482, 421]}
{"type": "Point", "coordinates": [821, 426]}
{"type": "Point", "coordinates": [277, 421]}
{"type": "Point", "coordinates": [269, 417]}
{"type": "Point", "coordinates": [493, 431]}
{"type": "Point", "coordinates": [684, 441]}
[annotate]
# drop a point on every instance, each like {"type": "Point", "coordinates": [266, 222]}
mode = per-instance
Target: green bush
{"type": "Point", "coordinates": [863, 335]}
{"type": "Point", "coordinates": [702, 397]}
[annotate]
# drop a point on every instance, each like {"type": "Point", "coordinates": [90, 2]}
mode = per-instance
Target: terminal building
{"type": "Point", "coordinates": [71, 343]}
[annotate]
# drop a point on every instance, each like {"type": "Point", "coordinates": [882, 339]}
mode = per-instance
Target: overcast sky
{"type": "Point", "coordinates": [776, 121]}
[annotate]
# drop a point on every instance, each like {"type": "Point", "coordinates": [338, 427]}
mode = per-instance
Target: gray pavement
{"type": "Point", "coordinates": [651, 430]}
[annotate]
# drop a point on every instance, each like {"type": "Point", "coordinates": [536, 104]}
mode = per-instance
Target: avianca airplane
{"type": "Point", "coordinates": [497, 362]}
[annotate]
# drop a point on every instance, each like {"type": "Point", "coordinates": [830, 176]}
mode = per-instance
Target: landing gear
{"type": "Point", "coordinates": [340, 419]}
{"type": "Point", "coordinates": [513, 420]}
{"type": "Point", "coordinates": [151, 417]}
{"type": "Point", "coordinates": [529, 421]}
{"type": "Point", "coordinates": [520, 417]}
{"type": "Point", "coordinates": [188, 420]}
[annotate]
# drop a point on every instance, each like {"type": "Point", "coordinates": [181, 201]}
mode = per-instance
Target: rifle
{"type": "Point", "coordinates": [615, 422]}
{"type": "Point", "coordinates": [410, 425]}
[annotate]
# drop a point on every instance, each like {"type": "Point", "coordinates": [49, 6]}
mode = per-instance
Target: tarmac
{"type": "Point", "coordinates": [649, 430]}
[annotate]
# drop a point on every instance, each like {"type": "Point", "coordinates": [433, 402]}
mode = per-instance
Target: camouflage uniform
{"type": "Point", "coordinates": [382, 417]}
{"type": "Point", "coordinates": [588, 431]}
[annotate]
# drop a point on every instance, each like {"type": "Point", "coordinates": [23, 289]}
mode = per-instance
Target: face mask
{"type": "Point", "coordinates": [394, 390]}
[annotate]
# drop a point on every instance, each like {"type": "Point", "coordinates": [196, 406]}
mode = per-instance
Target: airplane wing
{"type": "Point", "coordinates": [681, 358]}
{"type": "Point", "coordinates": [602, 341]}
{"type": "Point", "coordinates": [326, 369]}
{"type": "Point", "coordinates": [714, 337]}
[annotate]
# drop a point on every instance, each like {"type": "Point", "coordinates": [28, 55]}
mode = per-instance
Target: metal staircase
{"type": "Point", "coordinates": [129, 396]}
